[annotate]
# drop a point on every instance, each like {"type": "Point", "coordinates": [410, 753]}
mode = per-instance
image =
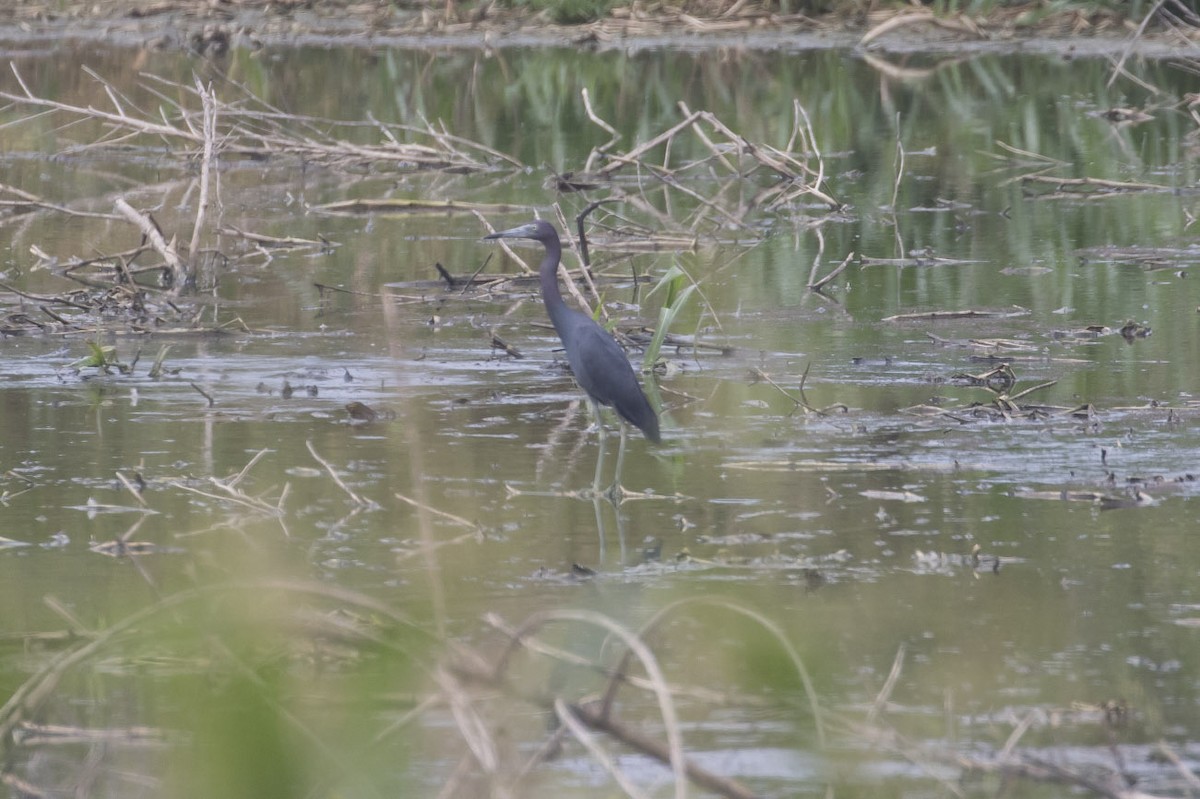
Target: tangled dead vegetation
{"type": "Point", "coordinates": [154, 285]}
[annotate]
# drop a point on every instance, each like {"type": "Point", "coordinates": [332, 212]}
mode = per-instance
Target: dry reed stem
{"type": "Point", "coordinates": [538, 646]}
{"type": "Point", "coordinates": [707, 142]}
{"type": "Point", "coordinates": [654, 747]}
{"type": "Point", "coordinates": [588, 714]}
{"type": "Point", "coordinates": [583, 734]}
{"type": "Point", "coordinates": [74, 622]}
{"type": "Point", "coordinates": [1104, 183]}
{"type": "Point", "coordinates": [899, 165]}
{"type": "Point", "coordinates": [470, 725]}
{"type": "Point", "coordinates": [277, 241]}
{"type": "Point", "coordinates": [769, 626]}
{"type": "Point", "coordinates": [459, 520]}
{"type": "Point", "coordinates": [889, 685]}
{"type": "Point", "coordinates": [365, 503]}
{"type": "Point", "coordinates": [837, 270]}
{"type": "Point", "coordinates": [603, 148]}
{"type": "Point", "coordinates": [231, 493]}
{"type": "Point", "coordinates": [260, 132]}
{"type": "Point", "coordinates": [209, 106]}
{"type": "Point", "coordinates": [667, 178]}
{"type": "Point", "coordinates": [33, 201]}
{"type": "Point", "coordinates": [504, 243]}
{"type": "Point", "coordinates": [1045, 159]}
{"type": "Point", "coordinates": [636, 648]}
{"type": "Point", "coordinates": [129, 486]}
{"type": "Point", "coordinates": [1186, 773]}
{"type": "Point", "coordinates": [1119, 66]}
{"type": "Point", "coordinates": [631, 157]}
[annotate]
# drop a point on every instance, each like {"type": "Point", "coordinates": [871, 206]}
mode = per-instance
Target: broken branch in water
{"type": "Point", "coordinates": [817, 285]}
{"type": "Point", "coordinates": [934, 316]}
{"type": "Point", "coordinates": [27, 202]}
{"type": "Point", "coordinates": [1107, 186]}
{"type": "Point", "coordinates": [800, 402]}
{"type": "Point", "coordinates": [358, 500]}
{"type": "Point", "coordinates": [153, 235]}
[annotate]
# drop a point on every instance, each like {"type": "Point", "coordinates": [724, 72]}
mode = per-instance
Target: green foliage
{"type": "Point", "coordinates": [99, 356]}
{"type": "Point", "coordinates": [247, 742]}
{"type": "Point", "coordinates": [678, 288]}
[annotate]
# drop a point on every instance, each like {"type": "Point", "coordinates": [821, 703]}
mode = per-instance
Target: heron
{"type": "Point", "coordinates": [597, 360]}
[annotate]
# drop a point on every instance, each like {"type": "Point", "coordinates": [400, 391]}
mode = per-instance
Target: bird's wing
{"type": "Point", "coordinates": [600, 365]}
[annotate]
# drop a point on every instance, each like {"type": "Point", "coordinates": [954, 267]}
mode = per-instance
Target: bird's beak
{"type": "Point", "coordinates": [521, 232]}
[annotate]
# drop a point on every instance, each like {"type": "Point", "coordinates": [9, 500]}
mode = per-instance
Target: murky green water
{"type": "Point", "coordinates": [853, 531]}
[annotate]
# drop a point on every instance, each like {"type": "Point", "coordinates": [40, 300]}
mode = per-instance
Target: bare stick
{"type": "Point", "coordinates": [137, 494]}
{"type": "Point", "coordinates": [1188, 775]}
{"type": "Point", "coordinates": [1119, 67]}
{"type": "Point", "coordinates": [712, 148]}
{"type": "Point", "coordinates": [759, 374]}
{"type": "Point", "coordinates": [37, 298]}
{"type": "Point", "coordinates": [592, 115]}
{"type": "Point", "coordinates": [468, 721]}
{"type": "Point", "coordinates": [332, 473]}
{"type": "Point", "coordinates": [33, 201]}
{"type": "Point", "coordinates": [888, 685]}
{"type": "Point", "coordinates": [525, 270]}
{"type": "Point", "coordinates": [203, 393]}
{"type": "Point", "coordinates": [1104, 183]}
{"type": "Point", "coordinates": [812, 273]}
{"type": "Point", "coordinates": [584, 735]}
{"type": "Point", "coordinates": [654, 747]}
{"type": "Point", "coordinates": [636, 152]}
{"type": "Point", "coordinates": [1032, 389]}
{"type": "Point", "coordinates": [636, 647]}
{"type": "Point", "coordinates": [240, 476]}
{"type": "Point", "coordinates": [837, 271]}
{"type": "Point", "coordinates": [1016, 735]}
{"type": "Point", "coordinates": [210, 133]}
{"type": "Point", "coordinates": [120, 119]}
{"type": "Point", "coordinates": [899, 164]}
{"type": "Point", "coordinates": [459, 520]}
{"type": "Point", "coordinates": [810, 138]}
{"type": "Point", "coordinates": [154, 236]}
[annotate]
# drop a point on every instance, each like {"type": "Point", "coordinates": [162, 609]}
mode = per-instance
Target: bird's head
{"type": "Point", "coordinates": [538, 230]}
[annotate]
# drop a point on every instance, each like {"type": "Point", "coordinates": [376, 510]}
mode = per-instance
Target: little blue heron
{"type": "Point", "coordinates": [597, 360]}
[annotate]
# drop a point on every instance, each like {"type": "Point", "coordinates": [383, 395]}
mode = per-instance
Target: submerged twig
{"type": "Point", "coordinates": [333, 473]}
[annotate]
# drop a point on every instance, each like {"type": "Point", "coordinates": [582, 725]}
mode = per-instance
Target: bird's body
{"type": "Point", "coordinates": [597, 360]}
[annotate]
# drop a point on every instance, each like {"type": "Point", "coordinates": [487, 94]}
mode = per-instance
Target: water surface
{"type": "Point", "coordinates": [852, 529]}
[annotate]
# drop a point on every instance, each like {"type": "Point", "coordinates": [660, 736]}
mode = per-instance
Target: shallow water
{"type": "Point", "coordinates": [853, 529]}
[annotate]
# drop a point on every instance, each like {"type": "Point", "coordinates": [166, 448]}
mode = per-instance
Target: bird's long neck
{"type": "Point", "coordinates": [548, 274]}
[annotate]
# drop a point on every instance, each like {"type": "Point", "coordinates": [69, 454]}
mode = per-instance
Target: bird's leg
{"type": "Point", "coordinates": [599, 457]}
{"type": "Point", "coordinates": [615, 491]}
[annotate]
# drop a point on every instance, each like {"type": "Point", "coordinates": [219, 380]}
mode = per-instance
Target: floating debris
{"type": "Point", "coordinates": [893, 496]}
